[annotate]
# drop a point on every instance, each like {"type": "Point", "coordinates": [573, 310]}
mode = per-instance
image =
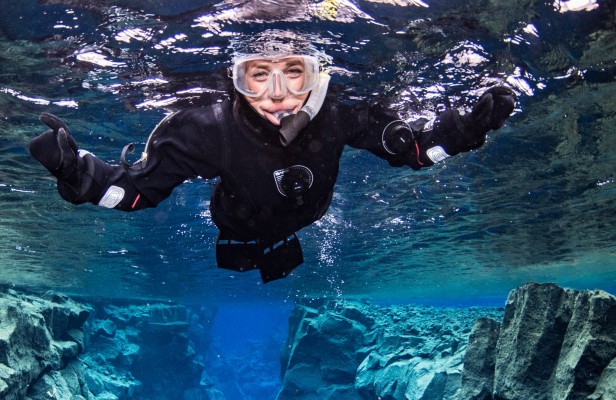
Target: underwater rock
{"type": "Point", "coordinates": [351, 350]}
{"type": "Point", "coordinates": [553, 343]}
{"type": "Point", "coordinates": [143, 351]}
{"type": "Point", "coordinates": [478, 370]}
{"type": "Point", "coordinates": [67, 383]}
{"type": "Point", "coordinates": [36, 340]}
{"type": "Point", "coordinates": [52, 347]}
{"type": "Point", "coordinates": [106, 328]}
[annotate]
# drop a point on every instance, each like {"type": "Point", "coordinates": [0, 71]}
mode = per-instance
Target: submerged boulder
{"type": "Point", "coordinates": [37, 336]}
{"type": "Point", "coordinates": [553, 343]}
{"type": "Point", "coordinates": [479, 359]}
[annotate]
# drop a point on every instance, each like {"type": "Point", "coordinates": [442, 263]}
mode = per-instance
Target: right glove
{"type": "Point", "coordinates": [56, 149]}
{"type": "Point", "coordinates": [81, 176]}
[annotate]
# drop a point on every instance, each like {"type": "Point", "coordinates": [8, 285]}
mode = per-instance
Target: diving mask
{"type": "Point", "coordinates": [255, 75]}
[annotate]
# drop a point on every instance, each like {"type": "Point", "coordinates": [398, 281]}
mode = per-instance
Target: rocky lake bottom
{"type": "Point", "coordinates": [546, 342]}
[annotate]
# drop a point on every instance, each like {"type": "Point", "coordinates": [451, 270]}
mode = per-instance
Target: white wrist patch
{"type": "Point", "coordinates": [113, 196]}
{"type": "Point", "coordinates": [81, 153]}
{"type": "Point", "coordinates": [436, 154]}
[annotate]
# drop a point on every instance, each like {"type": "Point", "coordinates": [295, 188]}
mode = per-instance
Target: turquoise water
{"type": "Point", "coordinates": [536, 203]}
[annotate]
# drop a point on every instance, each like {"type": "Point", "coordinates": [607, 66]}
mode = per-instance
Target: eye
{"type": "Point", "coordinates": [259, 76]}
{"type": "Point", "coordinates": [294, 72]}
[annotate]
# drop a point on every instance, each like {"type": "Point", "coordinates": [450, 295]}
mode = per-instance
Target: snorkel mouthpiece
{"type": "Point", "coordinates": [282, 114]}
{"type": "Point", "coordinates": [292, 124]}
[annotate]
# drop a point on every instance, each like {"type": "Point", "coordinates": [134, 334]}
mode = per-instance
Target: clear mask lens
{"type": "Point", "coordinates": [254, 76]}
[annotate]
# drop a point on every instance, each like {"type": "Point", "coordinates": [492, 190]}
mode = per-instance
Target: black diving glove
{"type": "Point", "coordinates": [55, 148]}
{"type": "Point", "coordinates": [491, 110]}
{"type": "Point", "coordinates": [460, 133]}
{"type": "Point", "coordinates": [450, 133]}
{"type": "Point", "coordinates": [57, 151]}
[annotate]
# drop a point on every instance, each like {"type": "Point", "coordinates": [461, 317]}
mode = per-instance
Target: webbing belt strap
{"type": "Point", "coordinates": [275, 260]}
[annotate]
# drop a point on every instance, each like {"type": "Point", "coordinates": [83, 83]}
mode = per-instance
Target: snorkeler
{"type": "Point", "coordinates": [275, 145]}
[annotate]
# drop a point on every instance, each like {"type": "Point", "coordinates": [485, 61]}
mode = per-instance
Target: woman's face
{"type": "Point", "coordinates": [274, 82]}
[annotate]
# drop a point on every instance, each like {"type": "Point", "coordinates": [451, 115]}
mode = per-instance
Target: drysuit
{"type": "Point", "coordinates": [266, 191]}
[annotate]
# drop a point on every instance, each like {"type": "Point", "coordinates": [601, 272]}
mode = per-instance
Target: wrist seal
{"type": "Point", "coordinates": [398, 138]}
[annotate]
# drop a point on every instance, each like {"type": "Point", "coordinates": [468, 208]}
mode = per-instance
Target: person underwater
{"type": "Point", "coordinates": [275, 146]}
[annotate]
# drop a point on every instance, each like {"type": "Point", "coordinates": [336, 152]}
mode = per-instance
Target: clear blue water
{"type": "Point", "coordinates": [535, 204]}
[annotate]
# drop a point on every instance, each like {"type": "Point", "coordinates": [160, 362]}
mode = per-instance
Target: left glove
{"type": "Point", "coordinates": [491, 110]}
{"type": "Point", "coordinates": [459, 133]}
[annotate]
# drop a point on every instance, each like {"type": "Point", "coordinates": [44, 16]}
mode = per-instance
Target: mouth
{"type": "Point", "coordinates": [275, 116]}
{"type": "Point", "coordinates": [282, 113]}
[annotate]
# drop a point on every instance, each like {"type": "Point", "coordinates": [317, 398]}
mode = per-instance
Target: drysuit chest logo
{"type": "Point", "coordinates": [293, 181]}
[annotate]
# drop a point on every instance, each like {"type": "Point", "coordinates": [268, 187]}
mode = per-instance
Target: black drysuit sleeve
{"type": "Point", "coordinates": [177, 150]}
{"type": "Point", "coordinates": [419, 145]}
{"type": "Point", "coordinates": [429, 142]}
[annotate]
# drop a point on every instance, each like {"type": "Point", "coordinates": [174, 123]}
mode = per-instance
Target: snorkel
{"type": "Point", "coordinates": [292, 124]}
